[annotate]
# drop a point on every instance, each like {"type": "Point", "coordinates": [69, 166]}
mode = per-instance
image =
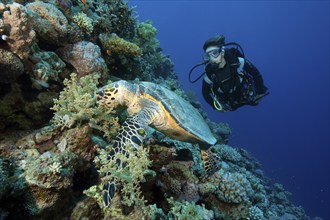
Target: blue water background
{"type": "Point", "coordinates": [289, 43]}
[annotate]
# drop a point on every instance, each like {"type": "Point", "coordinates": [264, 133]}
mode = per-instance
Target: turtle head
{"type": "Point", "coordinates": [115, 93]}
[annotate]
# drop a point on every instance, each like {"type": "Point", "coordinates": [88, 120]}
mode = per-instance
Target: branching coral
{"type": "Point", "coordinates": [186, 210]}
{"type": "Point", "coordinates": [153, 63]}
{"type": "Point", "coordinates": [255, 213]}
{"type": "Point", "coordinates": [76, 104]}
{"type": "Point", "coordinates": [228, 153]}
{"type": "Point", "coordinates": [146, 37]}
{"type": "Point", "coordinates": [114, 17]}
{"type": "Point", "coordinates": [76, 101]}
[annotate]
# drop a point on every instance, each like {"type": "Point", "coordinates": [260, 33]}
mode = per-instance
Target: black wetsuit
{"type": "Point", "coordinates": [237, 83]}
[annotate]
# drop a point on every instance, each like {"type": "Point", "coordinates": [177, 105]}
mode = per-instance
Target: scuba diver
{"type": "Point", "coordinates": [230, 80]}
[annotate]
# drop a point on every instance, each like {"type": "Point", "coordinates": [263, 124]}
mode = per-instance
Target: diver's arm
{"type": "Point", "coordinates": [225, 105]}
{"type": "Point", "coordinates": [257, 78]}
{"type": "Point", "coordinates": [222, 105]}
{"type": "Point", "coordinates": [206, 91]}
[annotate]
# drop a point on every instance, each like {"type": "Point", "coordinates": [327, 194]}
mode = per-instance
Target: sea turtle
{"type": "Point", "coordinates": [149, 104]}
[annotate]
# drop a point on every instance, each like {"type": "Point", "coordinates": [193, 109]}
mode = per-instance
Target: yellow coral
{"type": "Point", "coordinates": [76, 100]}
{"type": "Point", "coordinates": [84, 22]}
{"type": "Point", "coordinates": [115, 45]}
{"type": "Point", "coordinates": [76, 104]}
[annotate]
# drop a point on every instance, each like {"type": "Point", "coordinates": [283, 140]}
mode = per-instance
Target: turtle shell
{"type": "Point", "coordinates": [187, 119]}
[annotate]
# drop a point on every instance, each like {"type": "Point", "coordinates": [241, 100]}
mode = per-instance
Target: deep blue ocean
{"type": "Point", "coordinates": [288, 41]}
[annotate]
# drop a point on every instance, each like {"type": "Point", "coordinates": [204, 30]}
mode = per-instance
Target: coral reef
{"type": "Point", "coordinates": [48, 66]}
{"type": "Point", "coordinates": [18, 29]}
{"type": "Point", "coordinates": [11, 67]}
{"type": "Point", "coordinates": [146, 37]}
{"type": "Point", "coordinates": [85, 57]}
{"type": "Point", "coordinates": [54, 139]}
{"type": "Point", "coordinates": [187, 210]}
{"type": "Point", "coordinates": [84, 22]}
{"type": "Point", "coordinates": [19, 108]}
{"type": "Point", "coordinates": [114, 16]}
{"type": "Point", "coordinates": [118, 46]}
{"type": "Point", "coordinates": [50, 23]}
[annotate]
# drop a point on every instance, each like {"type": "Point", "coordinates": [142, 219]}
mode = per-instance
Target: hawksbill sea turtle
{"type": "Point", "coordinates": [149, 104]}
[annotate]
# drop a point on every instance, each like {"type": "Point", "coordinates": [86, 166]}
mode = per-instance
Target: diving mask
{"type": "Point", "coordinates": [212, 53]}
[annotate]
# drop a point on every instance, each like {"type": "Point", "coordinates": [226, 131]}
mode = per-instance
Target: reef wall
{"type": "Point", "coordinates": [54, 55]}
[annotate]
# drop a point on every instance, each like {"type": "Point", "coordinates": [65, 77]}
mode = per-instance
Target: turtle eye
{"type": "Point", "coordinates": [101, 93]}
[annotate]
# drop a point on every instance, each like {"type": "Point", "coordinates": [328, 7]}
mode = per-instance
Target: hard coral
{"type": "Point", "coordinates": [233, 188]}
{"type": "Point", "coordinates": [115, 45]}
{"type": "Point", "coordinates": [48, 67]}
{"type": "Point", "coordinates": [227, 153]}
{"type": "Point", "coordinates": [84, 22]}
{"type": "Point", "coordinates": [85, 57]}
{"type": "Point", "coordinates": [49, 22]}
{"type": "Point", "coordinates": [188, 210]}
{"type": "Point", "coordinates": [146, 37]}
{"type": "Point", "coordinates": [19, 30]}
{"type": "Point", "coordinates": [255, 213]}
{"type": "Point", "coordinates": [115, 16]}
{"type": "Point", "coordinates": [10, 65]}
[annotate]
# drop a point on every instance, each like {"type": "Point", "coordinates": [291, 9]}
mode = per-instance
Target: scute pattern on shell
{"type": "Point", "coordinates": [182, 111]}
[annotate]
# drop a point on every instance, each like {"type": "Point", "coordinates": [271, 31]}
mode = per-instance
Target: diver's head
{"type": "Point", "coordinates": [214, 50]}
{"type": "Point", "coordinates": [217, 41]}
{"type": "Point", "coordinates": [212, 54]}
{"type": "Point", "coordinates": [215, 55]}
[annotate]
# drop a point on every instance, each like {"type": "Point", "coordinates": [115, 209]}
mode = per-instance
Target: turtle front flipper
{"type": "Point", "coordinates": [132, 132]}
{"type": "Point", "coordinates": [211, 161]}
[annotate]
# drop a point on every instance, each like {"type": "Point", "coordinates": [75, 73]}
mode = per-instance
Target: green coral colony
{"type": "Point", "coordinates": [69, 150]}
